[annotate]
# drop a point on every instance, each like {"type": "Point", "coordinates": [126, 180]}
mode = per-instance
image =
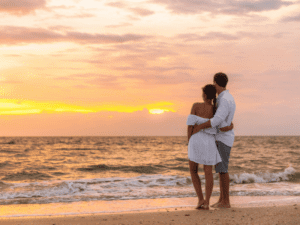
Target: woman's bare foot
{"type": "Point", "coordinates": [204, 206]}
{"type": "Point", "coordinates": [200, 203]}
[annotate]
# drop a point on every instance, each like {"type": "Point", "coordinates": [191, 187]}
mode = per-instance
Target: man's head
{"type": "Point", "coordinates": [221, 79]}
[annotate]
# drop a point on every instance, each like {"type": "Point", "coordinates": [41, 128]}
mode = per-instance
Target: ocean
{"type": "Point", "coordinates": [44, 170]}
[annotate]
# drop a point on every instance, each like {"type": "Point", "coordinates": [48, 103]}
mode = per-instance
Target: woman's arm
{"type": "Point", "coordinates": [228, 128]}
{"type": "Point", "coordinates": [191, 128]}
{"type": "Point", "coordinates": [189, 132]}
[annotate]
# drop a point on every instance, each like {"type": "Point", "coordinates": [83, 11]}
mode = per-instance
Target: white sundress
{"type": "Point", "coordinates": [202, 147]}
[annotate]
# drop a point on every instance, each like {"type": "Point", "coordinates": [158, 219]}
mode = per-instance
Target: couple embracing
{"type": "Point", "coordinates": [211, 136]}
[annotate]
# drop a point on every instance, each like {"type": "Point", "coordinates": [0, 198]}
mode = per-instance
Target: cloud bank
{"type": "Point", "coordinates": [138, 11]}
{"type": "Point", "coordinates": [11, 35]}
{"type": "Point", "coordinates": [295, 18]}
{"type": "Point", "coordinates": [228, 7]}
{"type": "Point", "coordinates": [21, 7]}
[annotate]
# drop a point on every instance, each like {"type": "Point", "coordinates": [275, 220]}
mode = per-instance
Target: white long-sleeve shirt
{"type": "Point", "coordinates": [224, 116]}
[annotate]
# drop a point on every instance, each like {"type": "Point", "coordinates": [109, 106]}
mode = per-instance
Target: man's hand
{"type": "Point", "coordinates": [228, 128]}
{"type": "Point", "coordinates": [199, 127]}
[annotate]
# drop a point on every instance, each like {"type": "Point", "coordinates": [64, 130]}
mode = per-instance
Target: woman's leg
{"type": "Point", "coordinates": [209, 182]}
{"type": "Point", "coordinates": [196, 182]}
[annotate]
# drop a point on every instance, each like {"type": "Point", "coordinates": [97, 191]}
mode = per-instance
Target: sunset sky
{"type": "Point", "coordinates": [134, 67]}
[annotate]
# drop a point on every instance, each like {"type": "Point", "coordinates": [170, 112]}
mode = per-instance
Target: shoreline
{"type": "Point", "coordinates": [244, 210]}
{"type": "Point", "coordinates": [134, 206]}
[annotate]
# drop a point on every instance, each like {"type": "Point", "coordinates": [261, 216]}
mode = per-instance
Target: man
{"type": "Point", "coordinates": [224, 140]}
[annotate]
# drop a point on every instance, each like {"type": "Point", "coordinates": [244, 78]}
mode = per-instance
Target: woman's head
{"type": "Point", "coordinates": [209, 92]}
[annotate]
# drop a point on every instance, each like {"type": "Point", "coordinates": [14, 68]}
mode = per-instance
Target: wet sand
{"type": "Point", "coordinates": [245, 210]}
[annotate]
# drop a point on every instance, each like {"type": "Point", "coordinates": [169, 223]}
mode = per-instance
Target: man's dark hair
{"type": "Point", "coordinates": [221, 79]}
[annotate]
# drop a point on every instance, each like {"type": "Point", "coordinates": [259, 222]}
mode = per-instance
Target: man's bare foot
{"type": "Point", "coordinates": [214, 205]}
{"type": "Point", "coordinates": [204, 207]}
{"type": "Point", "coordinates": [223, 205]}
{"type": "Point", "coordinates": [200, 203]}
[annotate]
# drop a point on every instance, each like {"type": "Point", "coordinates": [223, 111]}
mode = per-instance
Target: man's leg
{"type": "Point", "coordinates": [224, 180]}
{"type": "Point", "coordinates": [221, 193]}
{"type": "Point", "coordinates": [222, 169]}
{"type": "Point", "coordinates": [221, 189]}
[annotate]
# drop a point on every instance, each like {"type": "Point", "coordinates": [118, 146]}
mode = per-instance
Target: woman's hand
{"type": "Point", "coordinates": [228, 128]}
{"type": "Point", "coordinates": [190, 132]}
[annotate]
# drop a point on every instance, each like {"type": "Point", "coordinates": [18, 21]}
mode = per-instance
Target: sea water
{"type": "Point", "coordinates": [44, 170]}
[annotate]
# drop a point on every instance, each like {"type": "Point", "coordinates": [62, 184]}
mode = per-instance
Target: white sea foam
{"type": "Point", "coordinates": [266, 177]}
{"type": "Point", "coordinates": [143, 187]}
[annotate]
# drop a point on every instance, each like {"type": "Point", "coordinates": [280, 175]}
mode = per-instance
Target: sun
{"type": "Point", "coordinates": [156, 111]}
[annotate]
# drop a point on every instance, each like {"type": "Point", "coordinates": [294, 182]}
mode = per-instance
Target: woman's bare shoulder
{"type": "Point", "coordinates": [196, 106]}
{"type": "Point", "coordinates": [202, 110]}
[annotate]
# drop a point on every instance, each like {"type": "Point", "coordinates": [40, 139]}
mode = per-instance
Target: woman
{"type": "Point", "coordinates": [202, 147]}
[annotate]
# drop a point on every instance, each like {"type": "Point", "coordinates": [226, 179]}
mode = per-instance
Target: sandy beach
{"type": "Point", "coordinates": [245, 210]}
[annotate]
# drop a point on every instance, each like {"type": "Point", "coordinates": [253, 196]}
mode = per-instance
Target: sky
{"type": "Point", "coordinates": [135, 67]}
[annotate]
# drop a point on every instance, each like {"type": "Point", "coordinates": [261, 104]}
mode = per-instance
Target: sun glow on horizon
{"type": "Point", "coordinates": [22, 107]}
{"type": "Point", "coordinates": [157, 111]}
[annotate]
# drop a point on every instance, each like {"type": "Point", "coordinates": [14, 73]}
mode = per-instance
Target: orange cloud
{"type": "Point", "coordinates": [141, 11]}
{"type": "Point", "coordinates": [11, 35]}
{"type": "Point", "coordinates": [21, 7]}
{"type": "Point", "coordinates": [21, 107]}
{"type": "Point", "coordinates": [136, 10]}
{"type": "Point", "coordinates": [119, 25]}
{"type": "Point", "coordinates": [294, 18]}
{"type": "Point", "coordinates": [234, 7]}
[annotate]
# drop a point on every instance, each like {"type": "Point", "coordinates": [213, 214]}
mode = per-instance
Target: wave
{"type": "Point", "coordinates": [142, 187]}
{"type": "Point", "coordinates": [4, 164]}
{"type": "Point", "coordinates": [135, 169]}
{"type": "Point", "coordinates": [267, 177]}
{"type": "Point", "coordinates": [78, 149]}
{"type": "Point", "coordinates": [24, 175]}
{"type": "Point", "coordinates": [180, 168]}
{"type": "Point", "coordinates": [182, 159]}
{"type": "Point", "coordinates": [145, 186]}
{"type": "Point", "coordinates": [12, 142]}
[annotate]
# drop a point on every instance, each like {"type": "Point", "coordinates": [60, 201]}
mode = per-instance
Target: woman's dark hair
{"type": "Point", "coordinates": [211, 93]}
{"type": "Point", "coordinates": [221, 79]}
